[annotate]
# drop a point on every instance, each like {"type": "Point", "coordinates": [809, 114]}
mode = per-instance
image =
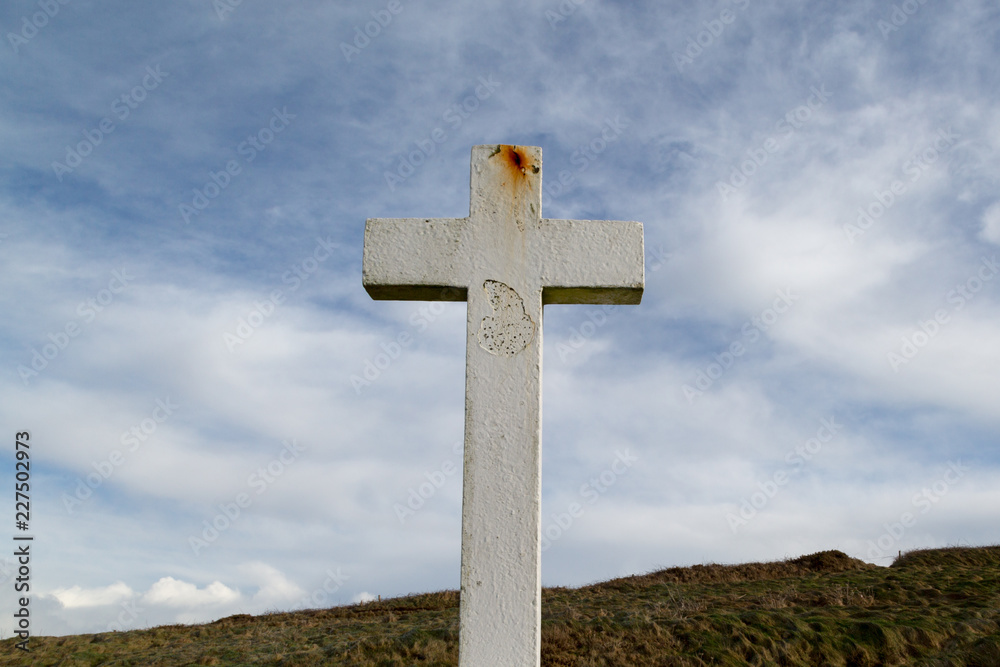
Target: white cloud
{"type": "Point", "coordinates": [174, 600]}
{"type": "Point", "coordinates": [171, 592]}
{"type": "Point", "coordinates": [75, 596]}
{"type": "Point", "coordinates": [363, 596]}
{"type": "Point", "coordinates": [275, 590]}
{"type": "Point", "coordinates": [991, 224]}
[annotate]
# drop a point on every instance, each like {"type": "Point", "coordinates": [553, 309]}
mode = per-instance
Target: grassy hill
{"type": "Point", "coordinates": [933, 607]}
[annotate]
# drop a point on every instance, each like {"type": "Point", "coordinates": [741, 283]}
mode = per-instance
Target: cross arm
{"type": "Point", "coordinates": [591, 261]}
{"type": "Point", "coordinates": [413, 259]}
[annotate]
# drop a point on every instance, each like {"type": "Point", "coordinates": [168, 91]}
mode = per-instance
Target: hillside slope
{"type": "Point", "coordinates": [933, 607]}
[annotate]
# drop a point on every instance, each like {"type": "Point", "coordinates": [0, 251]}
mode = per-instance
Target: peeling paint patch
{"type": "Point", "coordinates": [509, 330]}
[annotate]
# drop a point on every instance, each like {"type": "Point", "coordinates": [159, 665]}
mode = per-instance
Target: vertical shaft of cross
{"type": "Point", "coordinates": [501, 506]}
{"type": "Point", "coordinates": [500, 608]}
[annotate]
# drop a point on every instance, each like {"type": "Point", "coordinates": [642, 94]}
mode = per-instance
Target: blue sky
{"type": "Point", "coordinates": [814, 364]}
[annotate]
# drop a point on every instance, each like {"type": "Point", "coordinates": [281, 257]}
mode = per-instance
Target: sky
{"type": "Point", "coordinates": [222, 421]}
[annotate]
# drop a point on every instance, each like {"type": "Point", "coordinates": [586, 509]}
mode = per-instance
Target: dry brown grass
{"type": "Point", "coordinates": [931, 607]}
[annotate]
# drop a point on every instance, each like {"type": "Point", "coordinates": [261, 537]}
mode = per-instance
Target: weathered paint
{"type": "Point", "coordinates": [507, 261]}
{"type": "Point", "coordinates": [509, 329]}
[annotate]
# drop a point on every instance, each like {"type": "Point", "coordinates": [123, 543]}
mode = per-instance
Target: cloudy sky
{"type": "Point", "coordinates": [222, 420]}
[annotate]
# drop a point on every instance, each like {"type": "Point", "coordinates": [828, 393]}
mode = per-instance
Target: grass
{"type": "Point", "coordinates": [931, 607]}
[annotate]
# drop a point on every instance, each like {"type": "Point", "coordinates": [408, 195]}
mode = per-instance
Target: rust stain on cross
{"type": "Point", "coordinates": [519, 164]}
{"type": "Point", "coordinates": [517, 167]}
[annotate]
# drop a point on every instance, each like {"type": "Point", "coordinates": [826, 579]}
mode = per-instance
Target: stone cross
{"type": "Point", "coordinates": [506, 262]}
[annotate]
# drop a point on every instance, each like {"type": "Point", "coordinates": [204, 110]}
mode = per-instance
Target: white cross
{"type": "Point", "coordinates": [506, 261]}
